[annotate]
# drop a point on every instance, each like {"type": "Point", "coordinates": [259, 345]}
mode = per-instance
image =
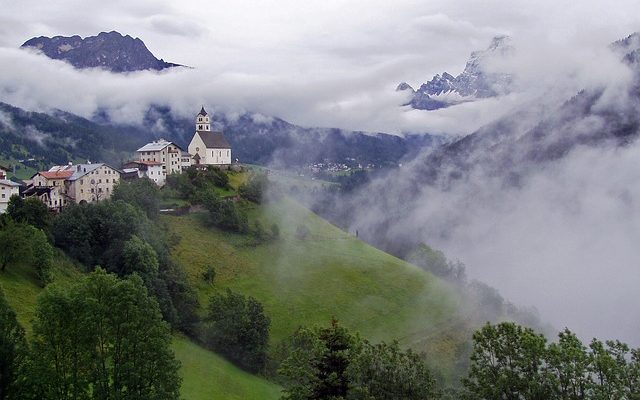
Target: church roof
{"type": "Point", "coordinates": [214, 140]}
{"type": "Point", "coordinates": [202, 112]}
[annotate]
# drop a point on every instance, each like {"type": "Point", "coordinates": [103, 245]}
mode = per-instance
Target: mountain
{"type": "Point", "coordinates": [60, 137]}
{"type": "Point", "coordinates": [110, 51]}
{"type": "Point", "coordinates": [258, 139]}
{"type": "Point", "coordinates": [475, 82]}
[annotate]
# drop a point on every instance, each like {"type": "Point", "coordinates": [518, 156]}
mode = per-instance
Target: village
{"type": "Point", "coordinates": [62, 185]}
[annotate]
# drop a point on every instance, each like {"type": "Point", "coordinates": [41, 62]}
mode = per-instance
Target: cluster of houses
{"type": "Point", "coordinates": [75, 183]}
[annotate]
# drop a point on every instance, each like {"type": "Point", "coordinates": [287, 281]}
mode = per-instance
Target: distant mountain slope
{"type": "Point", "coordinates": [110, 51]}
{"type": "Point", "coordinates": [61, 137]}
{"type": "Point", "coordinates": [476, 81]}
{"type": "Point", "coordinates": [258, 139]}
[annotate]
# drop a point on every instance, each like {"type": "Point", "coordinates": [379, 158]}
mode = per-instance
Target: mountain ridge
{"type": "Point", "coordinates": [108, 50]}
{"type": "Point", "coordinates": [474, 82]}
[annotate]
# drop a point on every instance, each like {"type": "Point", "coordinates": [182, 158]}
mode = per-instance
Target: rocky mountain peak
{"type": "Point", "coordinates": [476, 81]}
{"type": "Point", "coordinates": [109, 50]}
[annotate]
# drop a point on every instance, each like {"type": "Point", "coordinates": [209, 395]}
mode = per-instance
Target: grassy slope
{"type": "Point", "coordinates": [206, 376]}
{"type": "Point", "coordinates": [330, 273]}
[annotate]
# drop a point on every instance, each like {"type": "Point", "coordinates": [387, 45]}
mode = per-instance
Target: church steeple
{"type": "Point", "coordinates": [203, 122]}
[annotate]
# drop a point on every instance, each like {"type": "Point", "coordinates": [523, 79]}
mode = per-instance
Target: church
{"type": "Point", "coordinates": [208, 147]}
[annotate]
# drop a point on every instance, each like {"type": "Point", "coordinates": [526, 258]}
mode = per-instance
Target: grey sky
{"type": "Point", "coordinates": [321, 63]}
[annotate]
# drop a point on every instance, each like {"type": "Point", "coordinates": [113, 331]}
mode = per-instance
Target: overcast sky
{"type": "Point", "coordinates": [321, 63]}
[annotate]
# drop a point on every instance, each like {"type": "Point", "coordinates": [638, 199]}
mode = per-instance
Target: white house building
{"type": "Point", "coordinates": [147, 169]}
{"type": "Point", "coordinates": [168, 154]}
{"type": "Point", "coordinates": [7, 189]}
{"type": "Point", "coordinates": [208, 147]}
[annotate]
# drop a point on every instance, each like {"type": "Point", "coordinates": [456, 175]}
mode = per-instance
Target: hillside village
{"type": "Point", "coordinates": [90, 182]}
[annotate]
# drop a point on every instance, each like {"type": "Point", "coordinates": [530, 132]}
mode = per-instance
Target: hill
{"type": "Point", "coordinates": [308, 279]}
{"type": "Point", "coordinates": [304, 278]}
{"type": "Point", "coordinates": [108, 50]}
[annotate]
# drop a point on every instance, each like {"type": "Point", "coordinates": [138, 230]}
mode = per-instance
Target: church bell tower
{"type": "Point", "coordinates": [203, 122]}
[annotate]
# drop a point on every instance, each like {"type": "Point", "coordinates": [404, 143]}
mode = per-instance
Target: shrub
{"type": "Point", "coordinates": [254, 189]}
{"type": "Point", "coordinates": [237, 328]}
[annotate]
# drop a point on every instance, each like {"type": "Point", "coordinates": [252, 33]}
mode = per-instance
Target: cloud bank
{"type": "Point", "coordinates": [332, 63]}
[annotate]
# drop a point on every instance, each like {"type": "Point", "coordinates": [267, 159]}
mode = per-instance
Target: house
{"type": "Point", "coordinates": [91, 182]}
{"type": "Point", "coordinates": [146, 169]}
{"type": "Point", "coordinates": [209, 147]}
{"type": "Point", "coordinates": [7, 189]}
{"type": "Point", "coordinates": [185, 160]}
{"type": "Point", "coordinates": [4, 172]}
{"type": "Point", "coordinates": [49, 187]}
{"type": "Point", "coordinates": [168, 154]}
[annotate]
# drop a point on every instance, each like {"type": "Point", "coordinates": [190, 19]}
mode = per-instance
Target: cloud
{"type": "Point", "coordinates": [333, 63]}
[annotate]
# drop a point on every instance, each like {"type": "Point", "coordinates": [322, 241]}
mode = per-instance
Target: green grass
{"type": "Point", "coordinates": [21, 286]}
{"type": "Point", "coordinates": [328, 274]}
{"type": "Point", "coordinates": [208, 376]}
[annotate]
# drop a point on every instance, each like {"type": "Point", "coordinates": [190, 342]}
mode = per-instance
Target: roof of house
{"type": "Point", "coordinates": [7, 182]}
{"type": "Point", "coordinates": [2, 167]}
{"type": "Point", "coordinates": [214, 140]}
{"type": "Point", "coordinates": [202, 112]}
{"type": "Point", "coordinates": [36, 190]}
{"type": "Point", "coordinates": [157, 145]}
{"type": "Point", "coordinates": [59, 174]}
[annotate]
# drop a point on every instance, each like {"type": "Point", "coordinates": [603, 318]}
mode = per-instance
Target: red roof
{"type": "Point", "coordinates": [56, 174]}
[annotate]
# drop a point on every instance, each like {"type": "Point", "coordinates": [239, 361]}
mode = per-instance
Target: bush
{"type": "Point", "coordinates": [254, 189]}
{"type": "Point", "coordinates": [275, 231]}
{"type": "Point", "coordinates": [209, 275]}
{"type": "Point", "coordinates": [224, 214]}
{"type": "Point", "coordinates": [237, 328]}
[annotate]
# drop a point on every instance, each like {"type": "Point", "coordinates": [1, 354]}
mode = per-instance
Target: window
{"type": "Point", "coordinates": [99, 180]}
{"type": "Point", "coordinates": [81, 181]}
{"type": "Point", "coordinates": [81, 190]}
{"type": "Point", "coordinates": [4, 195]}
{"type": "Point", "coordinates": [107, 180]}
{"type": "Point", "coordinates": [92, 190]}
